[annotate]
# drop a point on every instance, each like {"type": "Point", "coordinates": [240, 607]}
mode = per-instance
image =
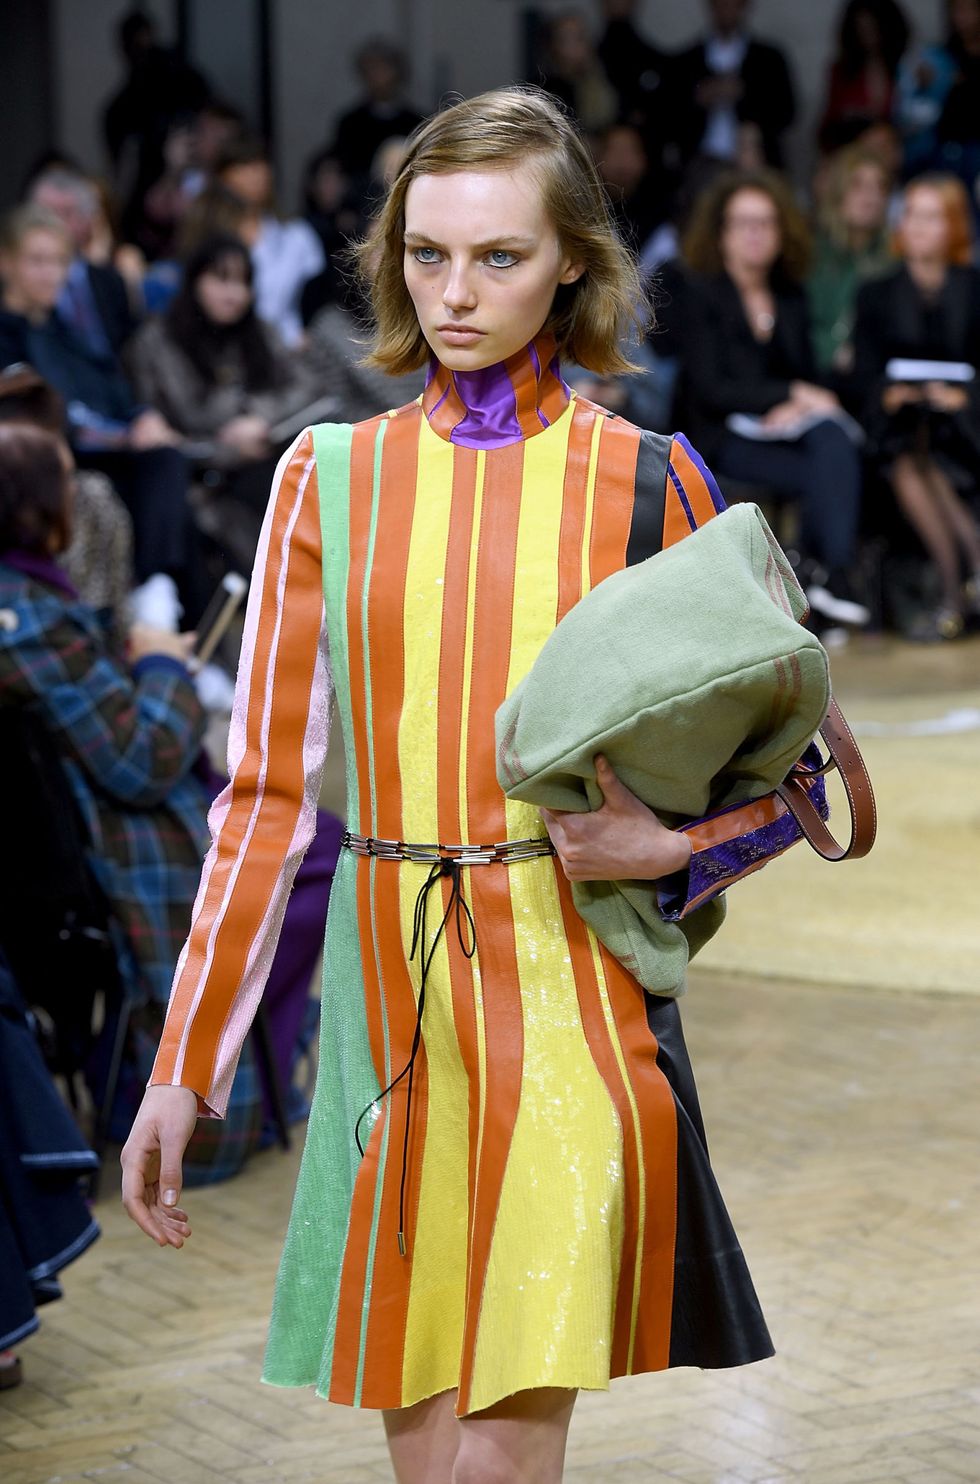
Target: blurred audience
{"type": "Point", "coordinates": [871, 40]}
{"type": "Point", "coordinates": [109, 429]}
{"type": "Point", "coordinates": [637, 69]}
{"type": "Point", "coordinates": [851, 244]}
{"type": "Point", "coordinates": [958, 129]}
{"type": "Point", "coordinates": [328, 202]}
{"type": "Point", "coordinates": [727, 81]}
{"type": "Point", "coordinates": [639, 196]}
{"type": "Point", "coordinates": [338, 342]}
{"type": "Point", "coordinates": [571, 69]}
{"type": "Point", "coordinates": [221, 377]}
{"type": "Point", "coordinates": [383, 111]}
{"type": "Point", "coordinates": [917, 382]}
{"type": "Point", "coordinates": [749, 395]}
{"type": "Point", "coordinates": [285, 253]}
{"type": "Point", "coordinates": [129, 729]}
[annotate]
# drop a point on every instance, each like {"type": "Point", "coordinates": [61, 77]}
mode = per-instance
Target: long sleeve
{"type": "Point", "coordinates": [264, 819]}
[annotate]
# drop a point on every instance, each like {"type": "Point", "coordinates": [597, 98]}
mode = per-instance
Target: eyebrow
{"type": "Point", "coordinates": [415, 238]}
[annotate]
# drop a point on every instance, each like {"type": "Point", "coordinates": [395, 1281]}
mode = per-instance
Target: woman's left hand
{"type": "Point", "coordinates": [622, 840]}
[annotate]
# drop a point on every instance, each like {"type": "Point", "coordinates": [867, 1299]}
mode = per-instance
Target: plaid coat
{"type": "Point", "coordinates": [130, 740]}
{"type": "Point", "coordinates": [131, 745]}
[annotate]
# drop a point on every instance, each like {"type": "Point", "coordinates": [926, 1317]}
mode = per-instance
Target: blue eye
{"type": "Point", "coordinates": [417, 254]}
{"type": "Point", "coordinates": [501, 252]}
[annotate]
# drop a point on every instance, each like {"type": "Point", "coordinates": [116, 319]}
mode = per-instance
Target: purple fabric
{"type": "Point", "coordinates": [491, 419]}
{"type": "Point", "coordinates": [712, 870]}
{"type": "Point", "coordinates": [717, 498]}
{"type": "Point", "coordinates": [41, 568]}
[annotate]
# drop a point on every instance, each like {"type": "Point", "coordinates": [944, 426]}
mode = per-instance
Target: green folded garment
{"type": "Point", "coordinates": [691, 672]}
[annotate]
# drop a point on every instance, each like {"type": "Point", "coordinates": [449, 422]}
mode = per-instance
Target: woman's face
{"type": "Point", "coordinates": [34, 272]}
{"type": "Point", "coordinates": [751, 235]}
{"type": "Point", "coordinates": [865, 199]}
{"type": "Point", "coordinates": [223, 292]}
{"type": "Point", "coordinates": [482, 262]}
{"type": "Point", "coordinates": [924, 227]}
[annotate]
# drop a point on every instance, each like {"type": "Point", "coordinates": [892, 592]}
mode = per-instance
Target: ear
{"type": "Point", "coordinates": [571, 273]}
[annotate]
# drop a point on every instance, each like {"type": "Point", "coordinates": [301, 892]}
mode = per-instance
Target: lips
{"type": "Point", "coordinates": [458, 330]}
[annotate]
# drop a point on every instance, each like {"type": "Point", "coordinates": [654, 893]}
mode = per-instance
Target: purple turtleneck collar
{"type": "Point", "coordinates": [41, 568]}
{"type": "Point", "coordinates": [498, 404]}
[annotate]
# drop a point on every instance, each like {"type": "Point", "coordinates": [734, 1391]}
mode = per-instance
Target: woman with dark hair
{"type": "Point", "coordinates": [748, 387]}
{"type": "Point", "coordinates": [871, 40]}
{"type": "Point", "coordinates": [220, 375]}
{"type": "Point", "coordinates": [924, 421]}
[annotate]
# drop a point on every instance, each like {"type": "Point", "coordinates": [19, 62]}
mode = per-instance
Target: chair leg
{"type": "Point", "coordinates": [104, 1112]}
{"type": "Point", "coordinates": [263, 1047]}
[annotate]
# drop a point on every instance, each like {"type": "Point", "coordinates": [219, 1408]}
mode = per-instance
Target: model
{"type": "Point", "coordinates": [534, 1210]}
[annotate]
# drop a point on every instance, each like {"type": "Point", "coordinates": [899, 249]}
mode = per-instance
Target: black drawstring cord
{"type": "Point", "coordinates": [440, 868]}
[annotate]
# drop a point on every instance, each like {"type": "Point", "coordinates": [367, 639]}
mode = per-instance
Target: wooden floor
{"type": "Point", "coordinates": [843, 1123]}
{"type": "Point", "coordinates": [843, 1128]}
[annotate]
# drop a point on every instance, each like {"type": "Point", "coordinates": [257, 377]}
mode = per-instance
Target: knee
{"type": "Point", "coordinates": [476, 1464]}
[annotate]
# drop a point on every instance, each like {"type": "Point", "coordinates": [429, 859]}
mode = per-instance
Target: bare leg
{"type": "Point", "coordinates": [929, 519]}
{"type": "Point", "coordinates": [520, 1440]}
{"type": "Point", "coordinates": [423, 1439]}
{"type": "Point", "coordinates": [963, 525]}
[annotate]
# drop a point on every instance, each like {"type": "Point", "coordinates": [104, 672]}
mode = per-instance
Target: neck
{"type": "Point", "coordinates": [746, 277]}
{"type": "Point", "coordinates": [20, 304]}
{"type": "Point", "coordinates": [498, 404]}
{"type": "Point", "coordinates": [928, 273]}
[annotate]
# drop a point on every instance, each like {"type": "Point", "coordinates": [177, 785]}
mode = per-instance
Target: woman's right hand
{"type": "Point", "coordinates": [152, 1163]}
{"type": "Point", "coordinates": [247, 434]}
{"type": "Point", "coordinates": [145, 638]}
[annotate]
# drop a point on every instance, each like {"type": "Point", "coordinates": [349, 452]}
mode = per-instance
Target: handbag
{"type": "Point", "coordinates": [705, 693]}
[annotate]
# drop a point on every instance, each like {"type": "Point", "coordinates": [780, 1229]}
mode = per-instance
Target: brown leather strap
{"type": "Point", "coordinates": [846, 757]}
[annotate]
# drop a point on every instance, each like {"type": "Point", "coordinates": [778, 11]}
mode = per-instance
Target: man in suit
{"type": "Point", "coordinates": [727, 81]}
{"type": "Point", "coordinates": [94, 301]}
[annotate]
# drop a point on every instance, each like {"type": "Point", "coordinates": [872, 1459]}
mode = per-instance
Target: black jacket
{"type": "Point", "coordinates": [767, 97]}
{"type": "Point", "coordinates": [893, 319]}
{"type": "Point", "coordinates": [724, 369]}
{"type": "Point", "coordinates": [63, 359]}
{"type": "Point", "coordinates": [112, 303]}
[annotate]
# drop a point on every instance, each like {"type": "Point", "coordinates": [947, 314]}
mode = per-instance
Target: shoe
{"type": "Point", "coordinates": [936, 626]}
{"type": "Point", "coordinates": [156, 602]}
{"type": "Point", "coordinates": [11, 1371]}
{"type": "Point", "coordinates": [831, 595]}
{"type": "Point", "coordinates": [215, 688]}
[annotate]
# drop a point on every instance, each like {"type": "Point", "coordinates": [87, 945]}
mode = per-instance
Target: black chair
{"type": "Point", "coordinates": [59, 931]}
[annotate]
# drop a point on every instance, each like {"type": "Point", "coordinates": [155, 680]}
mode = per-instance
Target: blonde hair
{"type": "Point", "coordinates": [841, 171]}
{"type": "Point", "coordinates": [30, 218]}
{"type": "Point", "coordinates": [493, 131]}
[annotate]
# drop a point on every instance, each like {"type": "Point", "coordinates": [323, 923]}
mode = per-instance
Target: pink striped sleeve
{"type": "Point", "coordinates": [263, 820]}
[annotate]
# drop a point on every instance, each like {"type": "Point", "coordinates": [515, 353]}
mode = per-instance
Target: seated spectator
{"type": "Point", "coordinates": [851, 245]}
{"type": "Point", "coordinates": [383, 113]}
{"type": "Point", "coordinates": [216, 125]}
{"type": "Point", "coordinates": [572, 72]}
{"type": "Point", "coordinates": [109, 429]}
{"type": "Point", "coordinates": [286, 254]}
{"type": "Point", "coordinates": [336, 349]}
{"type": "Point", "coordinates": [99, 556]}
{"type": "Point", "coordinates": [328, 203]}
{"type": "Point", "coordinates": [727, 80]}
{"type": "Point", "coordinates": [747, 359]}
{"type": "Point", "coordinates": [639, 199]}
{"type": "Point", "coordinates": [925, 75]}
{"type": "Point", "coordinates": [925, 430]}
{"type": "Point", "coordinates": [872, 38]}
{"type": "Point", "coordinates": [95, 300]}
{"type": "Point", "coordinates": [45, 1222]}
{"type": "Point", "coordinates": [220, 376]}
{"type": "Point", "coordinates": [129, 729]}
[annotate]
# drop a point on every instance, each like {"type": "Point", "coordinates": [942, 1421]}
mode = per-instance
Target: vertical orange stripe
{"type": "Point", "coordinates": [615, 487]}
{"type": "Point", "coordinates": [695, 488]}
{"type": "Point", "coordinates": [572, 530]}
{"type": "Point", "coordinates": [658, 1131]}
{"type": "Point", "coordinates": [489, 886]}
{"type": "Point", "coordinates": [597, 1035]}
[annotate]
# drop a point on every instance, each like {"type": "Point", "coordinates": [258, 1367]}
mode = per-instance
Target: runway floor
{"type": "Point", "coordinates": [843, 1121]}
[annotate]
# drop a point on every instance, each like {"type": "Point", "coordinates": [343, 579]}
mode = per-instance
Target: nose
{"type": "Point", "coordinates": [460, 291]}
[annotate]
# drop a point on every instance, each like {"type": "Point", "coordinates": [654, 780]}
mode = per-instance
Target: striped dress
{"type": "Point", "coordinates": [562, 1224]}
